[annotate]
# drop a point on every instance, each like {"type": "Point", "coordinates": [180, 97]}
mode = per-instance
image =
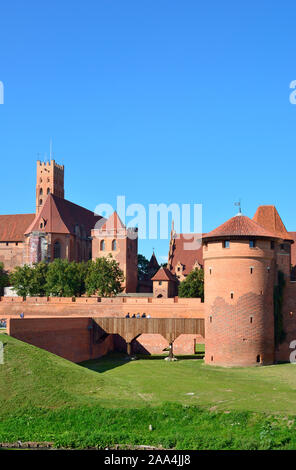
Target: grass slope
{"type": "Point", "coordinates": [111, 401]}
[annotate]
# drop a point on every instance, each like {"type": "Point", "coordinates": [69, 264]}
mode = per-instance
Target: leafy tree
{"type": "Point", "coordinates": [65, 279]}
{"type": "Point", "coordinates": [193, 285]}
{"type": "Point", "coordinates": [104, 277]}
{"type": "Point", "coordinates": [4, 280]}
{"type": "Point", "coordinates": [37, 285]}
{"type": "Point", "coordinates": [142, 266]}
{"type": "Point", "coordinates": [20, 280]}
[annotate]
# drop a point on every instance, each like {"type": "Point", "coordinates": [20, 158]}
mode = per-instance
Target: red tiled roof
{"type": "Point", "coordinates": [240, 226]}
{"type": "Point", "coordinates": [187, 257]}
{"type": "Point", "coordinates": [268, 217]}
{"type": "Point", "coordinates": [113, 223]}
{"type": "Point", "coordinates": [13, 227]}
{"type": "Point", "coordinates": [61, 216]}
{"type": "Point", "coordinates": [163, 274]}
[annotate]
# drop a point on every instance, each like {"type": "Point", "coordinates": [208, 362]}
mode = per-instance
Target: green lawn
{"type": "Point", "coordinates": [111, 401]}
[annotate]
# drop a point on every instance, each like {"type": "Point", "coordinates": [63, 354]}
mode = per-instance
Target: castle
{"type": "Point", "coordinates": [62, 229]}
{"type": "Point", "coordinates": [249, 311]}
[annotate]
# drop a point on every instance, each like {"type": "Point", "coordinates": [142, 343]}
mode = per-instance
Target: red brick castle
{"type": "Point", "coordinates": [249, 267]}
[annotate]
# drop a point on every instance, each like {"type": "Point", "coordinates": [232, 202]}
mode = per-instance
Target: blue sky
{"type": "Point", "coordinates": [161, 101]}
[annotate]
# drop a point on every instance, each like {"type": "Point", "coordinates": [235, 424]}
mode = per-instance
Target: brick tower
{"type": "Point", "coordinates": [112, 237]}
{"type": "Point", "coordinates": [240, 274]}
{"type": "Point", "coordinates": [50, 180]}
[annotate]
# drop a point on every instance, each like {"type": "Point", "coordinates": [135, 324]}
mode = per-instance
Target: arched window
{"type": "Point", "coordinates": [57, 250]}
{"type": "Point", "coordinates": [48, 190]}
{"type": "Point", "coordinates": [114, 245]}
{"type": "Point", "coordinates": [40, 202]}
{"type": "Point", "coordinates": [41, 191]}
{"type": "Point", "coordinates": [102, 245]}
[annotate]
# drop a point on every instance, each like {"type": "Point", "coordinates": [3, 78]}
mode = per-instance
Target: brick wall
{"type": "Point", "coordinates": [32, 307]}
{"type": "Point", "coordinates": [283, 351]}
{"type": "Point", "coordinates": [69, 338]}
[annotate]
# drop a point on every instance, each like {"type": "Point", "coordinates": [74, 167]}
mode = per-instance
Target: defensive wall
{"type": "Point", "coordinates": [92, 307]}
{"type": "Point", "coordinates": [283, 351]}
{"type": "Point", "coordinates": [70, 338]}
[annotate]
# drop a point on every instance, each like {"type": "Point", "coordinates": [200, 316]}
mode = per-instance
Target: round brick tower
{"type": "Point", "coordinates": [239, 265]}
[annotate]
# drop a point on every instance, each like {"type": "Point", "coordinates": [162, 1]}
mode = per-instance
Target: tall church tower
{"type": "Point", "coordinates": [50, 180]}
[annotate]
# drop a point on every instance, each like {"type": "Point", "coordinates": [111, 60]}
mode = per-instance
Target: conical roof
{"type": "Point", "coordinates": [240, 226]}
{"type": "Point", "coordinates": [153, 263]}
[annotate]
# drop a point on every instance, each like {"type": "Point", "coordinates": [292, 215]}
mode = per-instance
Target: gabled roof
{"type": "Point", "coordinates": [13, 227]}
{"type": "Point", "coordinates": [61, 216]}
{"type": "Point", "coordinates": [240, 226]}
{"type": "Point", "coordinates": [268, 217]}
{"type": "Point", "coordinates": [113, 223]}
{"type": "Point", "coordinates": [180, 253]}
{"type": "Point", "coordinates": [163, 274]}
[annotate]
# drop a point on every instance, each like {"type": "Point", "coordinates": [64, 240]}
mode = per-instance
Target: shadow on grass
{"type": "Point", "coordinates": [113, 360]}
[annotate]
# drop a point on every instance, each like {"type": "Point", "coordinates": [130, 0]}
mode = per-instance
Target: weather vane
{"type": "Point", "coordinates": [238, 204]}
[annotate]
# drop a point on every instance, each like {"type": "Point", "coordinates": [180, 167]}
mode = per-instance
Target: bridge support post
{"type": "Point", "coordinates": [129, 348]}
{"type": "Point", "coordinates": [171, 356]}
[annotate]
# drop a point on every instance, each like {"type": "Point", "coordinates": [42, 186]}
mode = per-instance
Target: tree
{"type": "Point", "coordinates": [65, 279]}
{"type": "Point", "coordinates": [20, 279]}
{"type": "Point", "coordinates": [4, 280]}
{"type": "Point", "coordinates": [193, 285]}
{"type": "Point", "coordinates": [104, 277]}
{"type": "Point", "coordinates": [142, 266]}
{"type": "Point", "coordinates": [37, 286]}
{"type": "Point", "coordinates": [29, 280]}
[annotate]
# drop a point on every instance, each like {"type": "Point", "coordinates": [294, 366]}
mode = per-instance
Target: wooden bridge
{"type": "Point", "coordinates": [131, 328]}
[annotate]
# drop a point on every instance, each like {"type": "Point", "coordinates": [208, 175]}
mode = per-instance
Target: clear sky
{"type": "Point", "coordinates": [162, 101]}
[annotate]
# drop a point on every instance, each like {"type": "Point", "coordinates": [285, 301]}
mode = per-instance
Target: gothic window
{"type": "Point", "coordinates": [41, 191]}
{"type": "Point", "coordinates": [114, 245]}
{"type": "Point", "coordinates": [57, 250]}
{"type": "Point", "coordinates": [40, 202]}
{"type": "Point", "coordinates": [102, 245]}
{"type": "Point", "coordinates": [48, 190]}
